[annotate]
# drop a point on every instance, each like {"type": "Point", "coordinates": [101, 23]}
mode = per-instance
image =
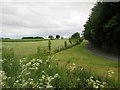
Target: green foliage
{"type": "Point", "coordinates": [4, 38]}
{"type": "Point", "coordinates": [32, 38]}
{"type": "Point", "coordinates": [75, 39]}
{"type": "Point", "coordinates": [7, 53]}
{"type": "Point", "coordinates": [42, 52]}
{"type": "Point", "coordinates": [57, 36]}
{"type": "Point", "coordinates": [39, 73]}
{"type": "Point", "coordinates": [65, 44]}
{"type": "Point", "coordinates": [49, 45]}
{"type": "Point", "coordinates": [51, 37]}
{"type": "Point", "coordinates": [61, 37]}
{"type": "Point", "coordinates": [103, 26]}
{"type": "Point", "coordinates": [10, 66]}
{"type": "Point", "coordinates": [70, 41]}
{"type": "Point", "coordinates": [76, 35]}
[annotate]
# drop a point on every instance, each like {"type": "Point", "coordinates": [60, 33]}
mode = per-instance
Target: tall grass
{"type": "Point", "coordinates": [30, 72]}
{"type": "Point", "coordinates": [7, 53]}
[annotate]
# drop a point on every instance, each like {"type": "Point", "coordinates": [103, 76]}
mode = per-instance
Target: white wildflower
{"type": "Point", "coordinates": [43, 76]}
{"type": "Point", "coordinates": [73, 64]}
{"type": "Point", "coordinates": [37, 64]}
{"type": "Point", "coordinates": [95, 86]}
{"type": "Point", "coordinates": [28, 64]}
{"type": "Point", "coordinates": [33, 60]}
{"type": "Point", "coordinates": [40, 61]}
{"type": "Point", "coordinates": [49, 66]}
{"type": "Point", "coordinates": [28, 73]}
{"type": "Point", "coordinates": [110, 73]}
{"type": "Point", "coordinates": [49, 86]}
{"type": "Point", "coordinates": [47, 61]}
{"type": "Point", "coordinates": [56, 75]}
{"type": "Point", "coordinates": [43, 71]}
{"type": "Point", "coordinates": [104, 83]}
{"type": "Point", "coordinates": [17, 81]}
{"type": "Point", "coordinates": [95, 83]}
{"type": "Point", "coordinates": [101, 86]}
{"type": "Point", "coordinates": [1, 60]}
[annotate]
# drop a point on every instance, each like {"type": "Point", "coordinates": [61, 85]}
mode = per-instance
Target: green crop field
{"type": "Point", "coordinates": [22, 49]}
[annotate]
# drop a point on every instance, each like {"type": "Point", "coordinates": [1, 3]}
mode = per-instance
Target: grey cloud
{"type": "Point", "coordinates": [44, 18]}
{"type": "Point", "coordinates": [49, 0]}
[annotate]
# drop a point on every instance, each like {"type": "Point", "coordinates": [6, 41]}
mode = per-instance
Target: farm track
{"type": "Point", "coordinates": [97, 52]}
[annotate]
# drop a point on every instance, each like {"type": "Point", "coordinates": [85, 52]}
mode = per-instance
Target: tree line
{"type": "Point", "coordinates": [74, 40]}
{"type": "Point", "coordinates": [103, 26]}
{"type": "Point", "coordinates": [32, 38]}
{"type": "Point", "coordinates": [57, 37]}
{"type": "Point", "coordinates": [50, 37]}
{"type": "Point", "coordinates": [74, 37]}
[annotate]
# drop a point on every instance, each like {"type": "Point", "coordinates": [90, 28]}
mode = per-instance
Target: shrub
{"type": "Point", "coordinates": [65, 44]}
{"type": "Point", "coordinates": [49, 45]}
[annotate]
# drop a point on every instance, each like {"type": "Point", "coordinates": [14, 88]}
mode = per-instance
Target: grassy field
{"type": "Point", "coordinates": [70, 68]}
{"type": "Point", "coordinates": [22, 49]}
{"type": "Point", "coordinates": [79, 55]}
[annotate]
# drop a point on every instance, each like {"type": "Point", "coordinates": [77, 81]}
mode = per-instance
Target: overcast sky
{"type": "Point", "coordinates": [32, 18]}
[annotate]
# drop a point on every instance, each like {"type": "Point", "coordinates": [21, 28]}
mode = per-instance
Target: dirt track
{"type": "Point", "coordinates": [95, 51]}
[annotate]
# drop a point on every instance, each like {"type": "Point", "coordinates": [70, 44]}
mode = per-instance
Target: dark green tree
{"type": "Point", "coordinates": [61, 37]}
{"type": "Point", "coordinates": [103, 26]}
{"type": "Point", "coordinates": [76, 35]}
{"type": "Point", "coordinates": [57, 36]}
{"type": "Point", "coordinates": [51, 37]}
{"type": "Point", "coordinates": [74, 38]}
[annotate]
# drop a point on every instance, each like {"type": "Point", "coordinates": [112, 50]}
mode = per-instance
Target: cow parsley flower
{"type": "Point", "coordinates": [110, 73]}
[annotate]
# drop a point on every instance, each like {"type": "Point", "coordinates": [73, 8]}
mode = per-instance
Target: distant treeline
{"type": "Point", "coordinates": [32, 38]}
{"type": "Point", "coordinates": [103, 26]}
{"type": "Point", "coordinates": [22, 40]}
{"type": "Point", "coordinates": [4, 38]}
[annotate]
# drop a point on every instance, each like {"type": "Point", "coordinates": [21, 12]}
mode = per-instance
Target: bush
{"type": "Point", "coordinates": [65, 44]}
{"type": "Point", "coordinates": [49, 45]}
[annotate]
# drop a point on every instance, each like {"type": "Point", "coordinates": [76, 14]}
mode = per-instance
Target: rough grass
{"type": "Point", "coordinates": [79, 55]}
